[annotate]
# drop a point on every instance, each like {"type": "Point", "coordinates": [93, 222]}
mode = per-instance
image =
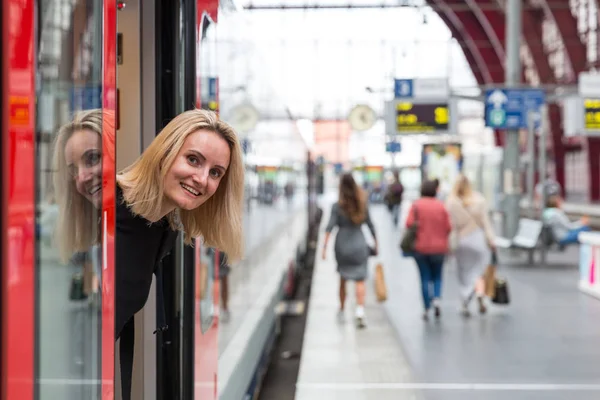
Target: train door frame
{"type": "Point", "coordinates": [174, 59]}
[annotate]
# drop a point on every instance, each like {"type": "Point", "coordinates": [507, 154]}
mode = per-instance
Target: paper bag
{"type": "Point", "coordinates": [380, 288]}
{"type": "Point", "coordinates": [489, 277]}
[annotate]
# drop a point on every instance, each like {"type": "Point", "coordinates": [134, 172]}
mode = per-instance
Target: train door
{"type": "Point", "coordinates": [58, 108]}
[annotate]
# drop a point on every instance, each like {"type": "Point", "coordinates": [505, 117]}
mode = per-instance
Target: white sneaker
{"type": "Point", "coordinates": [360, 317]}
{"type": "Point", "coordinates": [341, 318]}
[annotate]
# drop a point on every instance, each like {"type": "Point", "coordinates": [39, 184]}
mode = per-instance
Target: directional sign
{"type": "Point", "coordinates": [403, 88]}
{"type": "Point", "coordinates": [509, 108]}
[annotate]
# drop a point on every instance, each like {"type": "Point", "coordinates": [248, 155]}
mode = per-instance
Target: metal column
{"type": "Point", "coordinates": [544, 133]}
{"type": "Point", "coordinates": [512, 187]}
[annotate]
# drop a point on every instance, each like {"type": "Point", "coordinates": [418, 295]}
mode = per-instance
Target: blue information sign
{"type": "Point", "coordinates": [403, 88]}
{"type": "Point", "coordinates": [85, 97]}
{"type": "Point", "coordinates": [508, 108]}
{"type": "Point", "coordinates": [212, 88]}
{"type": "Point", "coordinates": [393, 147]}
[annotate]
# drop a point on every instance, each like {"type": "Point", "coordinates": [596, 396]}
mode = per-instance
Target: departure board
{"type": "Point", "coordinates": [591, 109]}
{"type": "Point", "coordinates": [411, 117]}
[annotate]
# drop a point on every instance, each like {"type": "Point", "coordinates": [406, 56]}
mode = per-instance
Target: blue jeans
{"type": "Point", "coordinates": [396, 213]}
{"type": "Point", "coordinates": [430, 268]}
{"type": "Point", "coordinates": [572, 236]}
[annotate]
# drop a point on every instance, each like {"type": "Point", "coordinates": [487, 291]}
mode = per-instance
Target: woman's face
{"type": "Point", "coordinates": [83, 155]}
{"type": "Point", "coordinates": [197, 170]}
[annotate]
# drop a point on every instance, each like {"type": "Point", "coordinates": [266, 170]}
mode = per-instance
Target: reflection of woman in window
{"type": "Point", "coordinates": [78, 190]}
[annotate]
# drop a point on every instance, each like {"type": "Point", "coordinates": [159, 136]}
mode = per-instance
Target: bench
{"type": "Point", "coordinates": [527, 237]}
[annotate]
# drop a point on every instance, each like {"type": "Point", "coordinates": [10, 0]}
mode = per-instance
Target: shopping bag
{"type": "Point", "coordinates": [489, 276]}
{"type": "Point", "coordinates": [380, 288]}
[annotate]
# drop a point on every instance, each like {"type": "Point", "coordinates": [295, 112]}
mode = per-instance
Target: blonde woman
{"type": "Point", "coordinates": [189, 180]}
{"type": "Point", "coordinates": [351, 249]}
{"type": "Point", "coordinates": [475, 237]}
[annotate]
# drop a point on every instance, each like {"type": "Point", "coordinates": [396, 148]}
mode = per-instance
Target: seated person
{"type": "Point", "coordinates": [564, 231]}
{"type": "Point", "coordinates": [550, 187]}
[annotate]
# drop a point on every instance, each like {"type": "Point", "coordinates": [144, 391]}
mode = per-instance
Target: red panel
{"type": "Point", "coordinates": [109, 82]}
{"type": "Point", "coordinates": [18, 206]}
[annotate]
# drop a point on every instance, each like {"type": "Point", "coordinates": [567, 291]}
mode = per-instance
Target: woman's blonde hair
{"type": "Point", "coordinates": [77, 225]}
{"type": "Point", "coordinates": [462, 189]}
{"type": "Point", "coordinates": [352, 200]}
{"type": "Point", "coordinates": [219, 219]}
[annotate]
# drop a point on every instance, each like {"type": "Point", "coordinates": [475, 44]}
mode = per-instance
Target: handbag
{"type": "Point", "coordinates": [372, 251]}
{"type": "Point", "coordinates": [76, 292]}
{"type": "Point", "coordinates": [501, 295]}
{"type": "Point", "coordinates": [409, 239]}
{"type": "Point", "coordinates": [380, 288]}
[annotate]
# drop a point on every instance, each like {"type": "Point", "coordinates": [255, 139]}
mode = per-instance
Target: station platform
{"type": "Point", "coordinates": [542, 346]}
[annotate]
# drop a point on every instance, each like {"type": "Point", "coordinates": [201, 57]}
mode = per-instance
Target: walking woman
{"type": "Point", "coordinates": [431, 244]}
{"type": "Point", "coordinates": [475, 238]}
{"type": "Point", "coordinates": [351, 248]}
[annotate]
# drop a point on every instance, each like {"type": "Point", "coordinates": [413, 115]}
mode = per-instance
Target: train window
{"type": "Point", "coordinates": [68, 199]}
{"type": "Point", "coordinates": [205, 273]}
{"type": "Point", "coordinates": [206, 67]}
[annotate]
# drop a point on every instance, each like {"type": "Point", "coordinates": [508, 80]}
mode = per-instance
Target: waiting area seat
{"type": "Point", "coordinates": [527, 236]}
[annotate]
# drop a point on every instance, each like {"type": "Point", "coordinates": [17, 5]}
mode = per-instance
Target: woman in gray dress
{"type": "Point", "coordinates": [351, 248]}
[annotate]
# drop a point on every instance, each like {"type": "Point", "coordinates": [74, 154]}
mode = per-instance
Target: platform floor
{"type": "Point", "coordinates": [340, 361]}
{"type": "Point", "coordinates": [543, 346]}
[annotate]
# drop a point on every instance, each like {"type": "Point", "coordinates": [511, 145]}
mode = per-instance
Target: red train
{"type": "Point", "coordinates": [59, 57]}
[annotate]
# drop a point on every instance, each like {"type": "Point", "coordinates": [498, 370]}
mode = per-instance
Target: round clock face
{"type": "Point", "coordinates": [244, 117]}
{"type": "Point", "coordinates": [362, 117]}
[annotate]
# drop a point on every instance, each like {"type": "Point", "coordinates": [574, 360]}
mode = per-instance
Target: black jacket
{"type": "Point", "coordinates": [140, 248]}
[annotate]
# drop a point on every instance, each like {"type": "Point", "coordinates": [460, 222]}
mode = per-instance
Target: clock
{"type": "Point", "coordinates": [244, 117]}
{"type": "Point", "coordinates": [362, 118]}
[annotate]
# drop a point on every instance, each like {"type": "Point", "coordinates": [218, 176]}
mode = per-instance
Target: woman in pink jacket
{"type": "Point", "coordinates": [431, 244]}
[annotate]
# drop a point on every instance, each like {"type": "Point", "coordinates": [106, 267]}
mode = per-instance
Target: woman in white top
{"type": "Point", "coordinates": [475, 237]}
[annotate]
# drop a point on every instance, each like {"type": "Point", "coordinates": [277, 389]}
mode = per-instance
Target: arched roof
{"type": "Point", "coordinates": [479, 27]}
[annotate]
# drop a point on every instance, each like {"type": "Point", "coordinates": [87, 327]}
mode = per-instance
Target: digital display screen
{"type": "Point", "coordinates": [591, 109]}
{"type": "Point", "coordinates": [412, 117]}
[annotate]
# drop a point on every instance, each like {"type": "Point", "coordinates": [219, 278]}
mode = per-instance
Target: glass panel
{"type": "Point", "coordinates": [69, 198]}
{"type": "Point", "coordinates": [205, 272]}
{"type": "Point", "coordinates": [206, 70]}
